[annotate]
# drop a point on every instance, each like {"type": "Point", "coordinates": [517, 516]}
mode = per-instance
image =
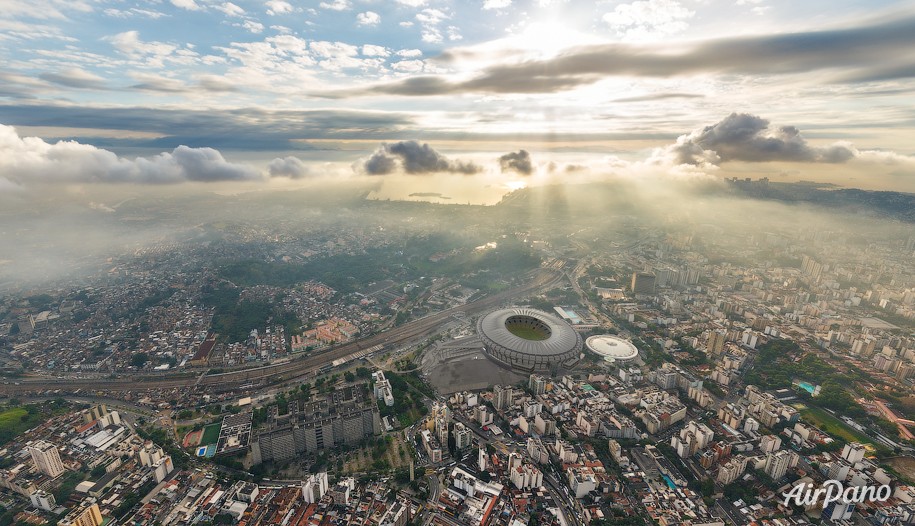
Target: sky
{"type": "Point", "coordinates": [426, 94]}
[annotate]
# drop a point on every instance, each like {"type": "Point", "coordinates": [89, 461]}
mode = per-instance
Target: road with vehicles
{"type": "Point", "coordinates": [539, 279]}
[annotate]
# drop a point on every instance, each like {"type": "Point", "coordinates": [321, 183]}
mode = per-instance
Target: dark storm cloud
{"type": "Point", "coordinates": [744, 137]}
{"type": "Point", "coordinates": [242, 129]}
{"type": "Point", "coordinates": [415, 158]}
{"type": "Point", "coordinates": [519, 162]}
{"type": "Point", "coordinates": [852, 55]}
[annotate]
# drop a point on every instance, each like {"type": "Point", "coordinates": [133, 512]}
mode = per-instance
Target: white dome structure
{"type": "Point", "coordinates": [612, 348]}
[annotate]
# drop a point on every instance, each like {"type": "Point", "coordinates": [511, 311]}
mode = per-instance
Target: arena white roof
{"type": "Point", "coordinates": [610, 346]}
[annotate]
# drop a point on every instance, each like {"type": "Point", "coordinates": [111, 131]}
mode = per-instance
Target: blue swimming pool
{"type": "Point", "coordinates": [807, 387]}
{"type": "Point", "coordinates": [669, 481]}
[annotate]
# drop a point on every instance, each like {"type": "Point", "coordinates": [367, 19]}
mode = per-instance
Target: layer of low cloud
{"type": "Point", "coordinates": [26, 161]}
{"type": "Point", "coordinates": [415, 158]}
{"type": "Point", "coordinates": [518, 162]}
{"type": "Point", "coordinates": [237, 129]}
{"type": "Point", "coordinates": [74, 78]}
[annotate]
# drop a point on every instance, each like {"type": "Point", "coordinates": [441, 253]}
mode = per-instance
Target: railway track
{"type": "Point", "coordinates": [269, 374]}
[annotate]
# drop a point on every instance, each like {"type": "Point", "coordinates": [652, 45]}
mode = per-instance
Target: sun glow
{"type": "Point", "coordinates": [551, 37]}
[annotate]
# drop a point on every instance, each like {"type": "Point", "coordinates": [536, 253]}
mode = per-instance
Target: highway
{"type": "Point", "coordinates": [541, 278]}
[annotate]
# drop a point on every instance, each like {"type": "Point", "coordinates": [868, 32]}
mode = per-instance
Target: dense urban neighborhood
{"type": "Point", "coordinates": [391, 372]}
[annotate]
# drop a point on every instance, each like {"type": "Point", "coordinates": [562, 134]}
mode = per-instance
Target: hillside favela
{"type": "Point", "coordinates": [445, 263]}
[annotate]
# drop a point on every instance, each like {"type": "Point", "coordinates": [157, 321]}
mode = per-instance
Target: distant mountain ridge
{"type": "Point", "coordinates": [622, 197]}
{"type": "Point", "coordinates": [894, 205]}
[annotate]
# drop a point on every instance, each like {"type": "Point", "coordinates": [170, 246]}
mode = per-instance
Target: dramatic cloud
{"type": "Point", "coordinates": [519, 162]}
{"type": "Point", "coordinates": [743, 137]}
{"type": "Point", "coordinates": [413, 158]}
{"type": "Point", "coordinates": [31, 160]}
{"type": "Point", "coordinates": [848, 55]}
{"type": "Point", "coordinates": [749, 138]}
{"type": "Point", "coordinates": [291, 167]}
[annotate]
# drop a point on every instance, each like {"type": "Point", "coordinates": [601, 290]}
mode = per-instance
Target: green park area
{"type": "Point", "coordinates": [832, 425]}
{"type": "Point", "coordinates": [210, 434]}
{"type": "Point", "coordinates": [12, 417]}
{"type": "Point", "coordinates": [15, 419]}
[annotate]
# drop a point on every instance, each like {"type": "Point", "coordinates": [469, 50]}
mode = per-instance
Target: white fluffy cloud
{"type": "Point", "coordinates": [496, 4]}
{"type": "Point", "coordinates": [645, 19]}
{"type": "Point", "coordinates": [230, 9]}
{"type": "Point", "coordinates": [25, 161]}
{"type": "Point", "coordinates": [369, 18]}
{"type": "Point", "coordinates": [336, 5]}
{"type": "Point", "coordinates": [190, 5]}
{"type": "Point", "coordinates": [371, 50]}
{"type": "Point", "coordinates": [253, 27]}
{"type": "Point", "coordinates": [278, 7]}
{"type": "Point", "coordinates": [409, 53]}
{"type": "Point", "coordinates": [430, 19]}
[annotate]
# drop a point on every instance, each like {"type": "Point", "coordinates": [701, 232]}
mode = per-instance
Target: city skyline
{"type": "Point", "coordinates": [491, 94]}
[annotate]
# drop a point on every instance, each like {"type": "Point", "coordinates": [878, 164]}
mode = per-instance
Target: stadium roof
{"type": "Point", "coordinates": [563, 338]}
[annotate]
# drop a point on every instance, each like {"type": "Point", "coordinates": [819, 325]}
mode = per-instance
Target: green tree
{"type": "Point", "coordinates": [139, 359]}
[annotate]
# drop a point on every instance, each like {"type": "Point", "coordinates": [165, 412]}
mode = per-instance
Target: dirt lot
{"type": "Point", "coordinates": [397, 454]}
{"type": "Point", "coordinates": [905, 466]}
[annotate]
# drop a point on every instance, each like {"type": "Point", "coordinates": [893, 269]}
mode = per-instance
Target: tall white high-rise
{"type": "Point", "coordinates": [777, 464]}
{"type": "Point", "coordinates": [47, 458]}
{"type": "Point", "coordinates": [315, 487]}
{"type": "Point", "coordinates": [502, 397]}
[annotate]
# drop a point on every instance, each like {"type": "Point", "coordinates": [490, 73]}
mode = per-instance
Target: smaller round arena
{"type": "Point", "coordinates": [612, 348]}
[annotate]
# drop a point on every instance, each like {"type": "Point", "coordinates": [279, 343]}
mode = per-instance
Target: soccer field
{"type": "Point", "coordinates": [832, 425]}
{"type": "Point", "coordinates": [211, 434]}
